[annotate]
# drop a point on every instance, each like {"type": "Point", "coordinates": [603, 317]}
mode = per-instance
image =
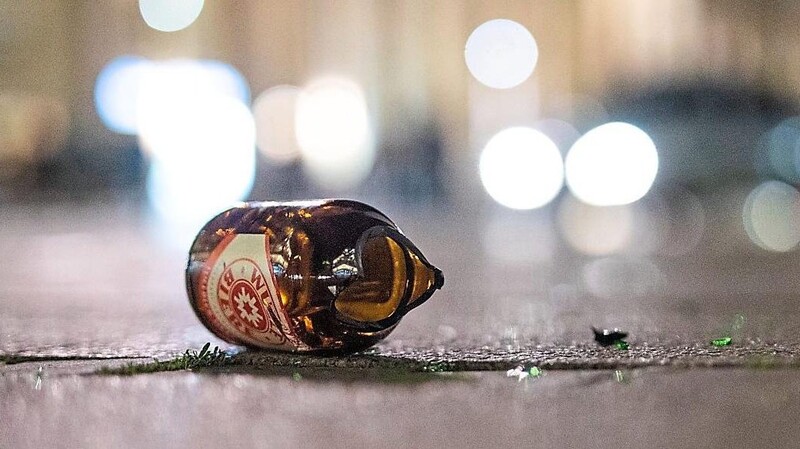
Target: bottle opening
{"type": "Point", "coordinates": [377, 293]}
{"type": "Point", "coordinates": [393, 275]}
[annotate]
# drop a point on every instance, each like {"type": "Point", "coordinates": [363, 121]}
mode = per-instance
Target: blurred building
{"type": "Point", "coordinates": [597, 61]}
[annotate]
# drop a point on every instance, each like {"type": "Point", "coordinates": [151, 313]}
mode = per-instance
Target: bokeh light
{"type": "Point", "coordinates": [170, 15]}
{"type": "Point", "coordinates": [199, 135]}
{"type": "Point", "coordinates": [116, 92]}
{"type": "Point", "coordinates": [772, 216]}
{"type": "Point", "coordinates": [169, 86]}
{"type": "Point", "coordinates": [333, 131]}
{"type": "Point", "coordinates": [202, 159]}
{"type": "Point", "coordinates": [783, 149]}
{"type": "Point", "coordinates": [131, 88]}
{"type": "Point", "coordinates": [613, 164]}
{"type": "Point", "coordinates": [595, 230]}
{"type": "Point", "coordinates": [521, 168]}
{"type": "Point", "coordinates": [181, 80]}
{"type": "Point", "coordinates": [501, 53]}
{"type": "Point", "coordinates": [274, 112]}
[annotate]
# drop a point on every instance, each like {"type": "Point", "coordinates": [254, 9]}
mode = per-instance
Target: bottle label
{"type": "Point", "coordinates": [238, 295]}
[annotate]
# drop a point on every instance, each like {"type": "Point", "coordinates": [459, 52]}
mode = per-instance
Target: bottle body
{"type": "Point", "coordinates": [331, 275]}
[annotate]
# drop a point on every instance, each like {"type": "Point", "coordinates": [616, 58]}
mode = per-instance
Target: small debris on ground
{"type": "Point", "coordinates": [608, 337]}
{"type": "Point", "coordinates": [521, 372]}
{"type": "Point", "coordinates": [38, 383]}
{"type": "Point", "coordinates": [621, 377]}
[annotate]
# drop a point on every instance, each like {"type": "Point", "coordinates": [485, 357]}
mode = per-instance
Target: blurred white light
{"type": "Point", "coordinates": [595, 230]}
{"type": "Point", "coordinates": [202, 157]}
{"type": "Point", "coordinates": [116, 91]}
{"type": "Point", "coordinates": [169, 86]}
{"type": "Point", "coordinates": [521, 168]}
{"type": "Point", "coordinates": [613, 164]}
{"type": "Point", "coordinates": [210, 74]}
{"type": "Point", "coordinates": [772, 216]}
{"type": "Point", "coordinates": [274, 112]}
{"type": "Point", "coordinates": [332, 128]}
{"type": "Point", "coordinates": [170, 15]}
{"type": "Point", "coordinates": [131, 88]}
{"type": "Point", "coordinates": [501, 53]}
{"type": "Point", "coordinates": [169, 80]}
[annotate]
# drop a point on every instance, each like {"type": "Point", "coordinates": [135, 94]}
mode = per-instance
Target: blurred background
{"type": "Point", "coordinates": [566, 163]}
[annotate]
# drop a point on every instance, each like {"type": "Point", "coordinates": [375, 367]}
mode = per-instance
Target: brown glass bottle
{"type": "Point", "coordinates": [329, 275]}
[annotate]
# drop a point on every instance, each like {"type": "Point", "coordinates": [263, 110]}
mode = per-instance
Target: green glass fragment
{"type": "Point", "coordinates": [535, 371]}
{"type": "Point", "coordinates": [719, 342]}
{"type": "Point", "coordinates": [622, 345]}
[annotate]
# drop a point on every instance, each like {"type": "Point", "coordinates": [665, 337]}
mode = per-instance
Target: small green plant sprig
{"type": "Point", "coordinates": [204, 358]}
{"type": "Point", "coordinates": [190, 359]}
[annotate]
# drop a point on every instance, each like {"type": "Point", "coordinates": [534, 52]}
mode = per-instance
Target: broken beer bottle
{"type": "Point", "coordinates": [330, 275]}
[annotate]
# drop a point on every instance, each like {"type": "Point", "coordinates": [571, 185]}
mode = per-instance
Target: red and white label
{"type": "Point", "coordinates": [239, 298]}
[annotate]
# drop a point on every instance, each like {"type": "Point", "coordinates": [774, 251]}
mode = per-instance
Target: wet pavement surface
{"type": "Point", "coordinates": [329, 408]}
{"type": "Point", "coordinates": [83, 290]}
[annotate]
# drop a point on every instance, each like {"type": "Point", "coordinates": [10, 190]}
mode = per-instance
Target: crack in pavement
{"type": "Point", "coordinates": [757, 355]}
{"type": "Point", "coordinates": [425, 359]}
{"type": "Point", "coordinates": [14, 359]}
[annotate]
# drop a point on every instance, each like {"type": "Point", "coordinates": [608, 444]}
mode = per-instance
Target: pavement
{"type": "Point", "coordinates": [86, 288]}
